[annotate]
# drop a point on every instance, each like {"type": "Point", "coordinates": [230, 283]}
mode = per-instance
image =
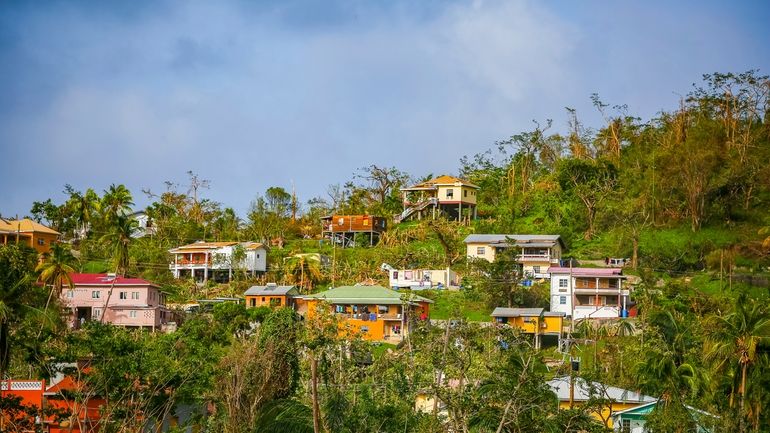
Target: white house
{"type": "Point", "coordinates": [214, 260]}
{"type": "Point", "coordinates": [588, 293]}
{"type": "Point", "coordinates": [537, 252]}
{"type": "Point", "coordinates": [417, 279]}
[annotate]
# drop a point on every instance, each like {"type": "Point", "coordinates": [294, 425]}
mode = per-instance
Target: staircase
{"type": "Point", "coordinates": [416, 208]}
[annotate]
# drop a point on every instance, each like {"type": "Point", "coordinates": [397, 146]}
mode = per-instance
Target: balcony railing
{"type": "Point", "coordinates": [372, 317]}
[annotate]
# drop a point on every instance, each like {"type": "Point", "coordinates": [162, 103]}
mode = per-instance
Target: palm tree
{"type": "Point", "coordinates": [735, 339]}
{"type": "Point", "coordinates": [117, 201]}
{"type": "Point", "coordinates": [304, 269]}
{"type": "Point", "coordinates": [56, 269]}
{"type": "Point", "coordinates": [119, 239]}
{"type": "Point", "coordinates": [55, 272]}
{"type": "Point", "coordinates": [84, 207]}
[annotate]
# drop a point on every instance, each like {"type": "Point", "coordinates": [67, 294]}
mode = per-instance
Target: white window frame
{"type": "Point", "coordinates": [480, 251]}
{"type": "Point", "coordinates": [562, 300]}
{"type": "Point", "coordinates": [132, 314]}
{"type": "Point", "coordinates": [123, 295]}
{"type": "Point", "coordinates": [96, 294]}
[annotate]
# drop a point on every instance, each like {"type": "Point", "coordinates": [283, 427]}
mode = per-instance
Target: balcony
{"type": "Point", "coordinates": [595, 312]}
{"type": "Point", "coordinates": [535, 257]}
{"type": "Point", "coordinates": [371, 317]}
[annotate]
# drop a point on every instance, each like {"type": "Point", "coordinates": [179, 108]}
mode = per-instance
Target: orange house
{"type": "Point", "coordinates": [376, 312]}
{"type": "Point", "coordinates": [30, 400]}
{"type": "Point", "coordinates": [533, 321]}
{"type": "Point", "coordinates": [29, 232]}
{"type": "Point", "coordinates": [271, 295]}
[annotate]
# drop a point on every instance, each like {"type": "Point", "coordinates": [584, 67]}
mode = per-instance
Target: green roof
{"type": "Point", "coordinates": [377, 295]}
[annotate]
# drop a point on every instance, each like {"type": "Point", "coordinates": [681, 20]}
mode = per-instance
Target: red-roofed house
{"type": "Point", "coordinates": [23, 405]}
{"type": "Point", "coordinates": [129, 302]}
{"type": "Point", "coordinates": [588, 293]}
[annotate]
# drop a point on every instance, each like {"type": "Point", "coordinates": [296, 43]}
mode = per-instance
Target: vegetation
{"type": "Point", "coordinates": [684, 195]}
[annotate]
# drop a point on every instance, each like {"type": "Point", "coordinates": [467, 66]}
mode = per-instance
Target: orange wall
{"type": "Point", "coordinates": [259, 301]}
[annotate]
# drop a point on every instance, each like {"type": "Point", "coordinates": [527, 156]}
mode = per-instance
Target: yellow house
{"type": "Point", "coordinates": [451, 195]}
{"type": "Point", "coordinates": [536, 253]}
{"type": "Point", "coordinates": [375, 312]}
{"type": "Point", "coordinates": [533, 321]}
{"type": "Point", "coordinates": [34, 234]}
{"type": "Point", "coordinates": [605, 400]}
{"type": "Point", "coordinates": [270, 295]}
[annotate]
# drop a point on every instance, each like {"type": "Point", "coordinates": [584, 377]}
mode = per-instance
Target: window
{"type": "Point", "coordinates": [465, 193]}
{"type": "Point", "coordinates": [450, 193]}
{"type": "Point", "coordinates": [263, 299]}
{"type": "Point", "coordinates": [134, 295]}
{"type": "Point", "coordinates": [70, 294]}
{"type": "Point", "coordinates": [626, 426]}
{"type": "Point", "coordinates": [96, 313]}
{"type": "Point", "coordinates": [562, 300]}
{"type": "Point", "coordinates": [536, 269]}
{"type": "Point", "coordinates": [364, 329]}
{"type": "Point", "coordinates": [41, 241]}
{"type": "Point", "coordinates": [257, 255]}
{"type": "Point", "coordinates": [563, 284]}
{"type": "Point", "coordinates": [253, 302]}
{"type": "Point", "coordinates": [132, 314]}
{"type": "Point", "coordinates": [95, 294]}
{"type": "Point", "coordinates": [123, 295]}
{"type": "Point", "coordinates": [480, 251]}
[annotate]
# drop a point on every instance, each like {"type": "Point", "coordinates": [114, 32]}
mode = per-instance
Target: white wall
{"type": "Point", "coordinates": [557, 292]}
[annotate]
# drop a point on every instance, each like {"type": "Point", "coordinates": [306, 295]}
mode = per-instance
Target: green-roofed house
{"type": "Point", "coordinates": [378, 313]}
{"type": "Point", "coordinates": [633, 420]}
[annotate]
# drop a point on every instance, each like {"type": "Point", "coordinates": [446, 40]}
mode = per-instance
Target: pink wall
{"type": "Point", "coordinates": [128, 305]}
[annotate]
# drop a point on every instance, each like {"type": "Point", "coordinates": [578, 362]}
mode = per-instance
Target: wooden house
{"type": "Point", "coordinates": [343, 229]}
{"type": "Point", "coordinates": [270, 295]}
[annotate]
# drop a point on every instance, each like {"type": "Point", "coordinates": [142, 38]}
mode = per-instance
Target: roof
{"type": "Point", "coordinates": [371, 295]}
{"type": "Point", "coordinates": [202, 246]}
{"type": "Point", "coordinates": [587, 272]}
{"type": "Point", "coordinates": [520, 240]}
{"type": "Point", "coordinates": [25, 225]}
{"type": "Point", "coordinates": [524, 312]}
{"type": "Point", "coordinates": [441, 180]}
{"type": "Point", "coordinates": [584, 391]}
{"type": "Point", "coordinates": [104, 279]}
{"type": "Point", "coordinates": [271, 290]}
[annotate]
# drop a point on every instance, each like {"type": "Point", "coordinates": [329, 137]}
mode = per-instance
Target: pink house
{"type": "Point", "coordinates": [130, 302]}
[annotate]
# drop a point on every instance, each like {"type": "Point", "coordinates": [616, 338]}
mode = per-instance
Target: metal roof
{"type": "Point", "coordinates": [520, 240]}
{"type": "Point", "coordinates": [270, 290]}
{"type": "Point", "coordinates": [587, 272]}
{"type": "Point", "coordinates": [524, 312]}
{"type": "Point", "coordinates": [585, 390]}
{"type": "Point", "coordinates": [372, 295]}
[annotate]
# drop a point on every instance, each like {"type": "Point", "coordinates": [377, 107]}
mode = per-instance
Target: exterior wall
{"type": "Point", "coordinates": [146, 303]}
{"type": "Point", "coordinates": [531, 325]}
{"type": "Point", "coordinates": [472, 251]}
{"type": "Point", "coordinates": [571, 307]}
{"type": "Point", "coordinates": [417, 277]}
{"type": "Point", "coordinates": [268, 301]}
{"type": "Point", "coordinates": [464, 194]}
{"type": "Point", "coordinates": [380, 329]}
{"type": "Point", "coordinates": [528, 267]}
{"type": "Point", "coordinates": [605, 413]}
{"type": "Point", "coordinates": [561, 293]}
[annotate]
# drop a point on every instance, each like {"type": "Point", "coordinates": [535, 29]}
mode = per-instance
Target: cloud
{"type": "Point", "coordinates": [252, 95]}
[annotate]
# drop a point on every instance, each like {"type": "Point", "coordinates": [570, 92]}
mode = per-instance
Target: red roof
{"type": "Point", "coordinates": [587, 272]}
{"type": "Point", "coordinates": [102, 279]}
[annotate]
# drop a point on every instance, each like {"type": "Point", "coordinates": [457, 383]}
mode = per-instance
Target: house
{"type": "Point", "coordinates": [419, 279]}
{"type": "Point", "coordinates": [588, 293]}
{"type": "Point", "coordinates": [537, 252]}
{"type": "Point", "coordinates": [271, 295]}
{"type": "Point", "coordinates": [533, 321]}
{"type": "Point", "coordinates": [202, 261]}
{"type": "Point", "coordinates": [633, 420]}
{"type": "Point", "coordinates": [378, 313]}
{"type": "Point", "coordinates": [605, 400]}
{"type": "Point", "coordinates": [144, 224]}
{"type": "Point", "coordinates": [449, 195]}
{"type": "Point", "coordinates": [26, 231]}
{"type": "Point", "coordinates": [342, 230]}
{"type": "Point", "coordinates": [121, 301]}
{"type": "Point", "coordinates": [27, 412]}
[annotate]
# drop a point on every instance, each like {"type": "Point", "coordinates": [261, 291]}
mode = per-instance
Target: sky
{"type": "Point", "coordinates": [272, 93]}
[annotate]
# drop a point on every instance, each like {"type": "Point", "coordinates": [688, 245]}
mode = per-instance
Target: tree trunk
{"type": "Point", "coordinates": [314, 393]}
{"type": "Point", "coordinates": [742, 414]}
{"type": "Point", "coordinates": [635, 255]}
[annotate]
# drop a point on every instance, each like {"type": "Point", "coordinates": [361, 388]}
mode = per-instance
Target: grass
{"type": "Point", "coordinates": [449, 302]}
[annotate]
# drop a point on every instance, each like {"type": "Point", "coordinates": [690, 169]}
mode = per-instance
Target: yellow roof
{"type": "Point", "coordinates": [253, 245]}
{"type": "Point", "coordinates": [25, 225]}
{"type": "Point", "coordinates": [442, 180]}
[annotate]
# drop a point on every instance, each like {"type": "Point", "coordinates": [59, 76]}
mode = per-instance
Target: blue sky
{"type": "Point", "coordinates": [256, 94]}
